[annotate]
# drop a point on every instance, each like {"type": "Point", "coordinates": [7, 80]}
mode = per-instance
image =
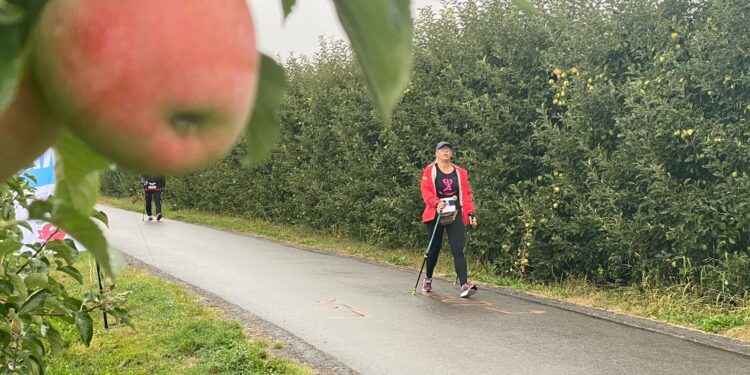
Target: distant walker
{"type": "Point", "coordinates": [153, 186]}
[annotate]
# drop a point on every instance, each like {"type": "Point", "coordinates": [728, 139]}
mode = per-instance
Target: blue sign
{"type": "Point", "coordinates": [43, 169]}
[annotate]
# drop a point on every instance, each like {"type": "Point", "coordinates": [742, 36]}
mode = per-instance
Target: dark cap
{"type": "Point", "coordinates": [442, 144]}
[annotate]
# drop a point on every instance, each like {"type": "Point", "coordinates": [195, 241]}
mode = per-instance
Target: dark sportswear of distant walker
{"type": "Point", "coordinates": [152, 186]}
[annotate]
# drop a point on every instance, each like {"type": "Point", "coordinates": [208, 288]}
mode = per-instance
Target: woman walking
{"type": "Point", "coordinates": [152, 186]}
{"type": "Point", "coordinates": [449, 206]}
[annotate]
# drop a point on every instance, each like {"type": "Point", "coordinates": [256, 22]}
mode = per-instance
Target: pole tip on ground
{"type": "Point", "coordinates": [414, 292]}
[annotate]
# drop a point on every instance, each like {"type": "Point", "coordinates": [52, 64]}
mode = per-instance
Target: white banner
{"type": "Point", "coordinates": [44, 172]}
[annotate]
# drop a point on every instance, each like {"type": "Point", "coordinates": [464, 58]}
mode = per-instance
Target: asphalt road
{"type": "Point", "coordinates": [364, 315]}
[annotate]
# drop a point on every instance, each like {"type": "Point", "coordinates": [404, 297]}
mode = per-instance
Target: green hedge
{"type": "Point", "coordinates": [632, 168]}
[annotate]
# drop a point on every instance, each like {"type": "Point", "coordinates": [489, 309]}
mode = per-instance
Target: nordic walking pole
{"type": "Point", "coordinates": [466, 243]}
{"type": "Point", "coordinates": [414, 291]}
{"type": "Point", "coordinates": [101, 291]}
{"type": "Point", "coordinates": [135, 197]}
{"type": "Point", "coordinates": [437, 222]}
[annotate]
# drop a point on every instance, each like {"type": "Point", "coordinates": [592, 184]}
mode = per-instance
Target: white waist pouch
{"type": "Point", "coordinates": [448, 214]}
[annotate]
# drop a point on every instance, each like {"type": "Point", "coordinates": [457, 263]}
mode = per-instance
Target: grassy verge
{"type": "Point", "coordinates": [174, 335]}
{"type": "Point", "coordinates": [670, 305]}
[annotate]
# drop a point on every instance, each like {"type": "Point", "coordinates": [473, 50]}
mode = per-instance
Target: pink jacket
{"type": "Point", "coordinates": [429, 193]}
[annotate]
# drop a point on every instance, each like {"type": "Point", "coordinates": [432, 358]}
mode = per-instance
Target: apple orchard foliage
{"type": "Point", "coordinates": [628, 166]}
{"type": "Point", "coordinates": [44, 101]}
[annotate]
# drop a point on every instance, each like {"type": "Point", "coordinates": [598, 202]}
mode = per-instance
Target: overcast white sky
{"type": "Point", "coordinates": [309, 20]}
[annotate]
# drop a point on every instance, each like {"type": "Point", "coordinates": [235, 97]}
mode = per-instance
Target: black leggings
{"type": "Point", "coordinates": [157, 201]}
{"type": "Point", "coordinates": [457, 238]}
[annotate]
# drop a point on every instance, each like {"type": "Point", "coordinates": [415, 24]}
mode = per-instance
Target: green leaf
{"type": "Point", "coordinates": [55, 340]}
{"type": "Point", "coordinates": [262, 132]}
{"type": "Point", "coordinates": [19, 288]}
{"type": "Point", "coordinates": [32, 344]}
{"type": "Point", "coordinates": [25, 359]}
{"type": "Point", "coordinates": [5, 327]}
{"type": "Point", "coordinates": [72, 272]}
{"type": "Point", "coordinates": [123, 317]}
{"type": "Point", "coordinates": [39, 210]}
{"type": "Point", "coordinates": [73, 303]}
{"type": "Point", "coordinates": [36, 280]}
{"type": "Point", "coordinates": [64, 249]}
{"type": "Point", "coordinates": [380, 32]}
{"type": "Point", "coordinates": [101, 216]}
{"type": "Point", "coordinates": [10, 14]}
{"type": "Point", "coordinates": [25, 224]}
{"type": "Point", "coordinates": [90, 297]}
{"type": "Point", "coordinates": [30, 176]}
{"type": "Point", "coordinates": [86, 231]}
{"type": "Point", "coordinates": [81, 194]}
{"type": "Point", "coordinates": [79, 183]}
{"type": "Point", "coordinates": [6, 288]}
{"type": "Point", "coordinates": [85, 326]}
{"type": "Point", "coordinates": [34, 364]}
{"type": "Point", "coordinates": [526, 6]}
{"type": "Point", "coordinates": [288, 5]}
{"type": "Point", "coordinates": [35, 300]}
{"type": "Point", "coordinates": [52, 304]}
{"type": "Point", "coordinates": [8, 246]}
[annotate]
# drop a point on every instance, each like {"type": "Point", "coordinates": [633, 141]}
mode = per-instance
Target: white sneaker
{"type": "Point", "coordinates": [427, 285]}
{"type": "Point", "coordinates": [150, 218]}
{"type": "Point", "coordinates": [467, 290]}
